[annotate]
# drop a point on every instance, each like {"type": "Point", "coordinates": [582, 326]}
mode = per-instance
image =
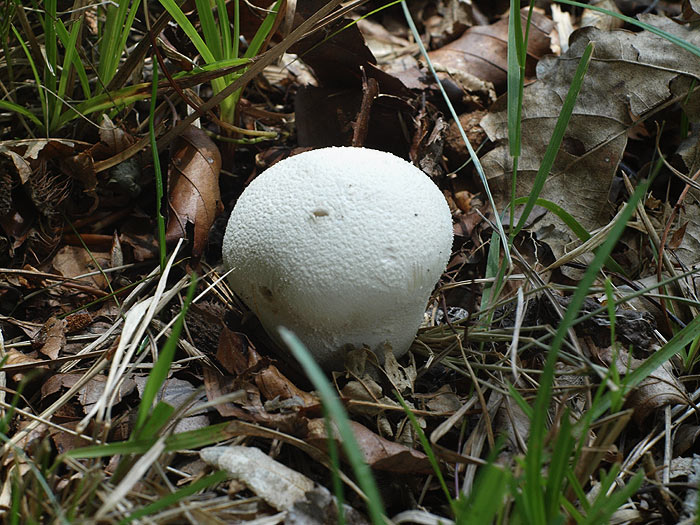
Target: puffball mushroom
{"type": "Point", "coordinates": [341, 245]}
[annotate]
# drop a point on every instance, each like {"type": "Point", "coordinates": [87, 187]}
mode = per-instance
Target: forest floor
{"type": "Point", "coordinates": [554, 378]}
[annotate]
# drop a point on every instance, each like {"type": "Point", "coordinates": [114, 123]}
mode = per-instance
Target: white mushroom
{"type": "Point", "coordinates": [343, 246]}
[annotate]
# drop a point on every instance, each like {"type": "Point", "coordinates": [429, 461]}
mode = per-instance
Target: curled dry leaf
{"type": "Point", "coordinates": [482, 51]}
{"type": "Point", "coordinates": [193, 182]}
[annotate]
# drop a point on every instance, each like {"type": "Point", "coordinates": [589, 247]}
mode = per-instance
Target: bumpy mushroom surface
{"type": "Point", "coordinates": [343, 246]}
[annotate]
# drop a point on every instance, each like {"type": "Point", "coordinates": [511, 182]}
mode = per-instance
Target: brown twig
{"type": "Point", "coordinates": [370, 91]}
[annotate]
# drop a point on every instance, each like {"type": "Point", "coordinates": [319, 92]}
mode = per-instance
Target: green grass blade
{"type": "Point", "coordinates": [212, 36]}
{"type": "Point", "coordinates": [557, 135]}
{"type": "Point", "coordinates": [335, 409]}
{"type": "Point", "coordinates": [515, 71]}
{"type": "Point", "coordinates": [426, 447]}
{"type": "Point", "coordinates": [605, 506]}
{"type": "Point", "coordinates": [42, 95]}
{"type": "Point", "coordinates": [51, 49]}
{"type": "Point", "coordinates": [125, 30]}
{"type": "Point", "coordinates": [189, 30]}
{"type": "Point", "coordinates": [108, 43]}
{"type": "Point", "coordinates": [191, 439]}
{"type": "Point", "coordinates": [334, 457]}
{"type": "Point", "coordinates": [11, 106]}
{"type": "Point", "coordinates": [156, 168]}
{"type": "Point", "coordinates": [160, 369]}
{"type": "Point", "coordinates": [573, 225]}
{"type": "Point", "coordinates": [225, 28]}
{"type": "Point", "coordinates": [558, 467]}
{"type": "Point", "coordinates": [633, 21]}
{"type": "Point", "coordinates": [236, 28]}
{"type": "Point", "coordinates": [176, 13]}
{"type": "Point", "coordinates": [76, 63]}
{"type": "Point", "coordinates": [487, 496]}
{"type": "Point", "coordinates": [533, 461]}
{"type": "Point", "coordinates": [118, 21]}
{"type": "Point", "coordinates": [215, 66]}
{"type": "Point", "coordinates": [115, 99]}
{"type": "Point", "coordinates": [68, 59]}
{"type": "Point", "coordinates": [674, 346]}
{"type": "Point", "coordinates": [157, 419]}
{"type": "Point", "coordinates": [177, 496]}
{"type": "Point", "coordinates": [263, 31]}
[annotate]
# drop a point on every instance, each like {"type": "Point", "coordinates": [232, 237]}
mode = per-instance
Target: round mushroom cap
{"type": "Point", "coordinates": [341, 245]}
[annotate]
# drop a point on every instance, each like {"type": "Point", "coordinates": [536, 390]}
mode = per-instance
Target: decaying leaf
{"type": "Point", "coordinates": [403, 378]}
{"type": "Point", "coordinates": [691, 10]}
{"type": "Point", "coordinates": [89, 393]}
{"type": "Point", "coordinates": [319, 507]}
{"type": "Point", "coordinates": [193, 182]}
{"type": "Point", "coordinates": [178, 393]}
{"type": "Point", "coordinates": [602, 20]}
{"type": "Point", "coordinates": [74, 261]}
{"type": "Point", "coordinates": [481, 52]}
{"type": "Point", "coordinates": [379, 453]}
{"type": "Point", "coordinates": [630, 75]}
{"type": "Point", "coordinates": [274, 482]}
{"type": "Point", "coordinates": [661, 388]}
{"type": "Point", "coordinates": [14, 357]}
{"type": "Point", "coordinates": [52, 337]}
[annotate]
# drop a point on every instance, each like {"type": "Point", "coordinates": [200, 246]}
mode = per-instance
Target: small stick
{"type": "Point", "coordinates": [370, 91]}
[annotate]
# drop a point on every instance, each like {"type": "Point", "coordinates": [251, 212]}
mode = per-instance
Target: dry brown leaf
{"type": "Point", "coordinates": [73, 261]}
{"type": "Point", "coordinates": [52, 337]}
{"type": "Point", "coordinates": [232, 351]}
{"type": "Point", "coordinates": [379, 453]}
{"type": "Point", "coordinates": [402, 378]}
{"type": "Point", "coordinates": [217, 385]}
{"type": "Point", "coordinates": [67, 441]}
{"type": "Point", "coordinates": [659, 389]}
{"type": "Point", "coordinates": [114, 139]}
{"type": "Point", "coordinates": [443, 400]}
{"type": "Point", "coordinates": [600, 20]}
{"type": "Point", "coordinates": [14, 357]}
{"type": "Point", "coordinates": [193, 182]}
{"type": "Point", "coordinates": [319, 507]}
{"type": "Point", "coordinates": [677, 237]}
{"type": "Point", "coordinates": [274, 384]}
{"type": "Point", "coordinates": [691, 10]}
{"type": "Point", "coordinates": [630, 74]}
{"type": "Point", "coordinates": [482, 51]}
{"type": "Point", "coordinates": [89, 393]}
{"type": "Point", "coordinates": [684, 438]}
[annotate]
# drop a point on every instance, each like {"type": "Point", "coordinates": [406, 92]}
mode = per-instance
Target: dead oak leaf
{"type": "Point", "coordinates": [630, 74]}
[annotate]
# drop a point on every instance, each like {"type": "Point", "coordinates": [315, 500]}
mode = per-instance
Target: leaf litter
{"type": "Point", "coordinates": [85, 312]}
